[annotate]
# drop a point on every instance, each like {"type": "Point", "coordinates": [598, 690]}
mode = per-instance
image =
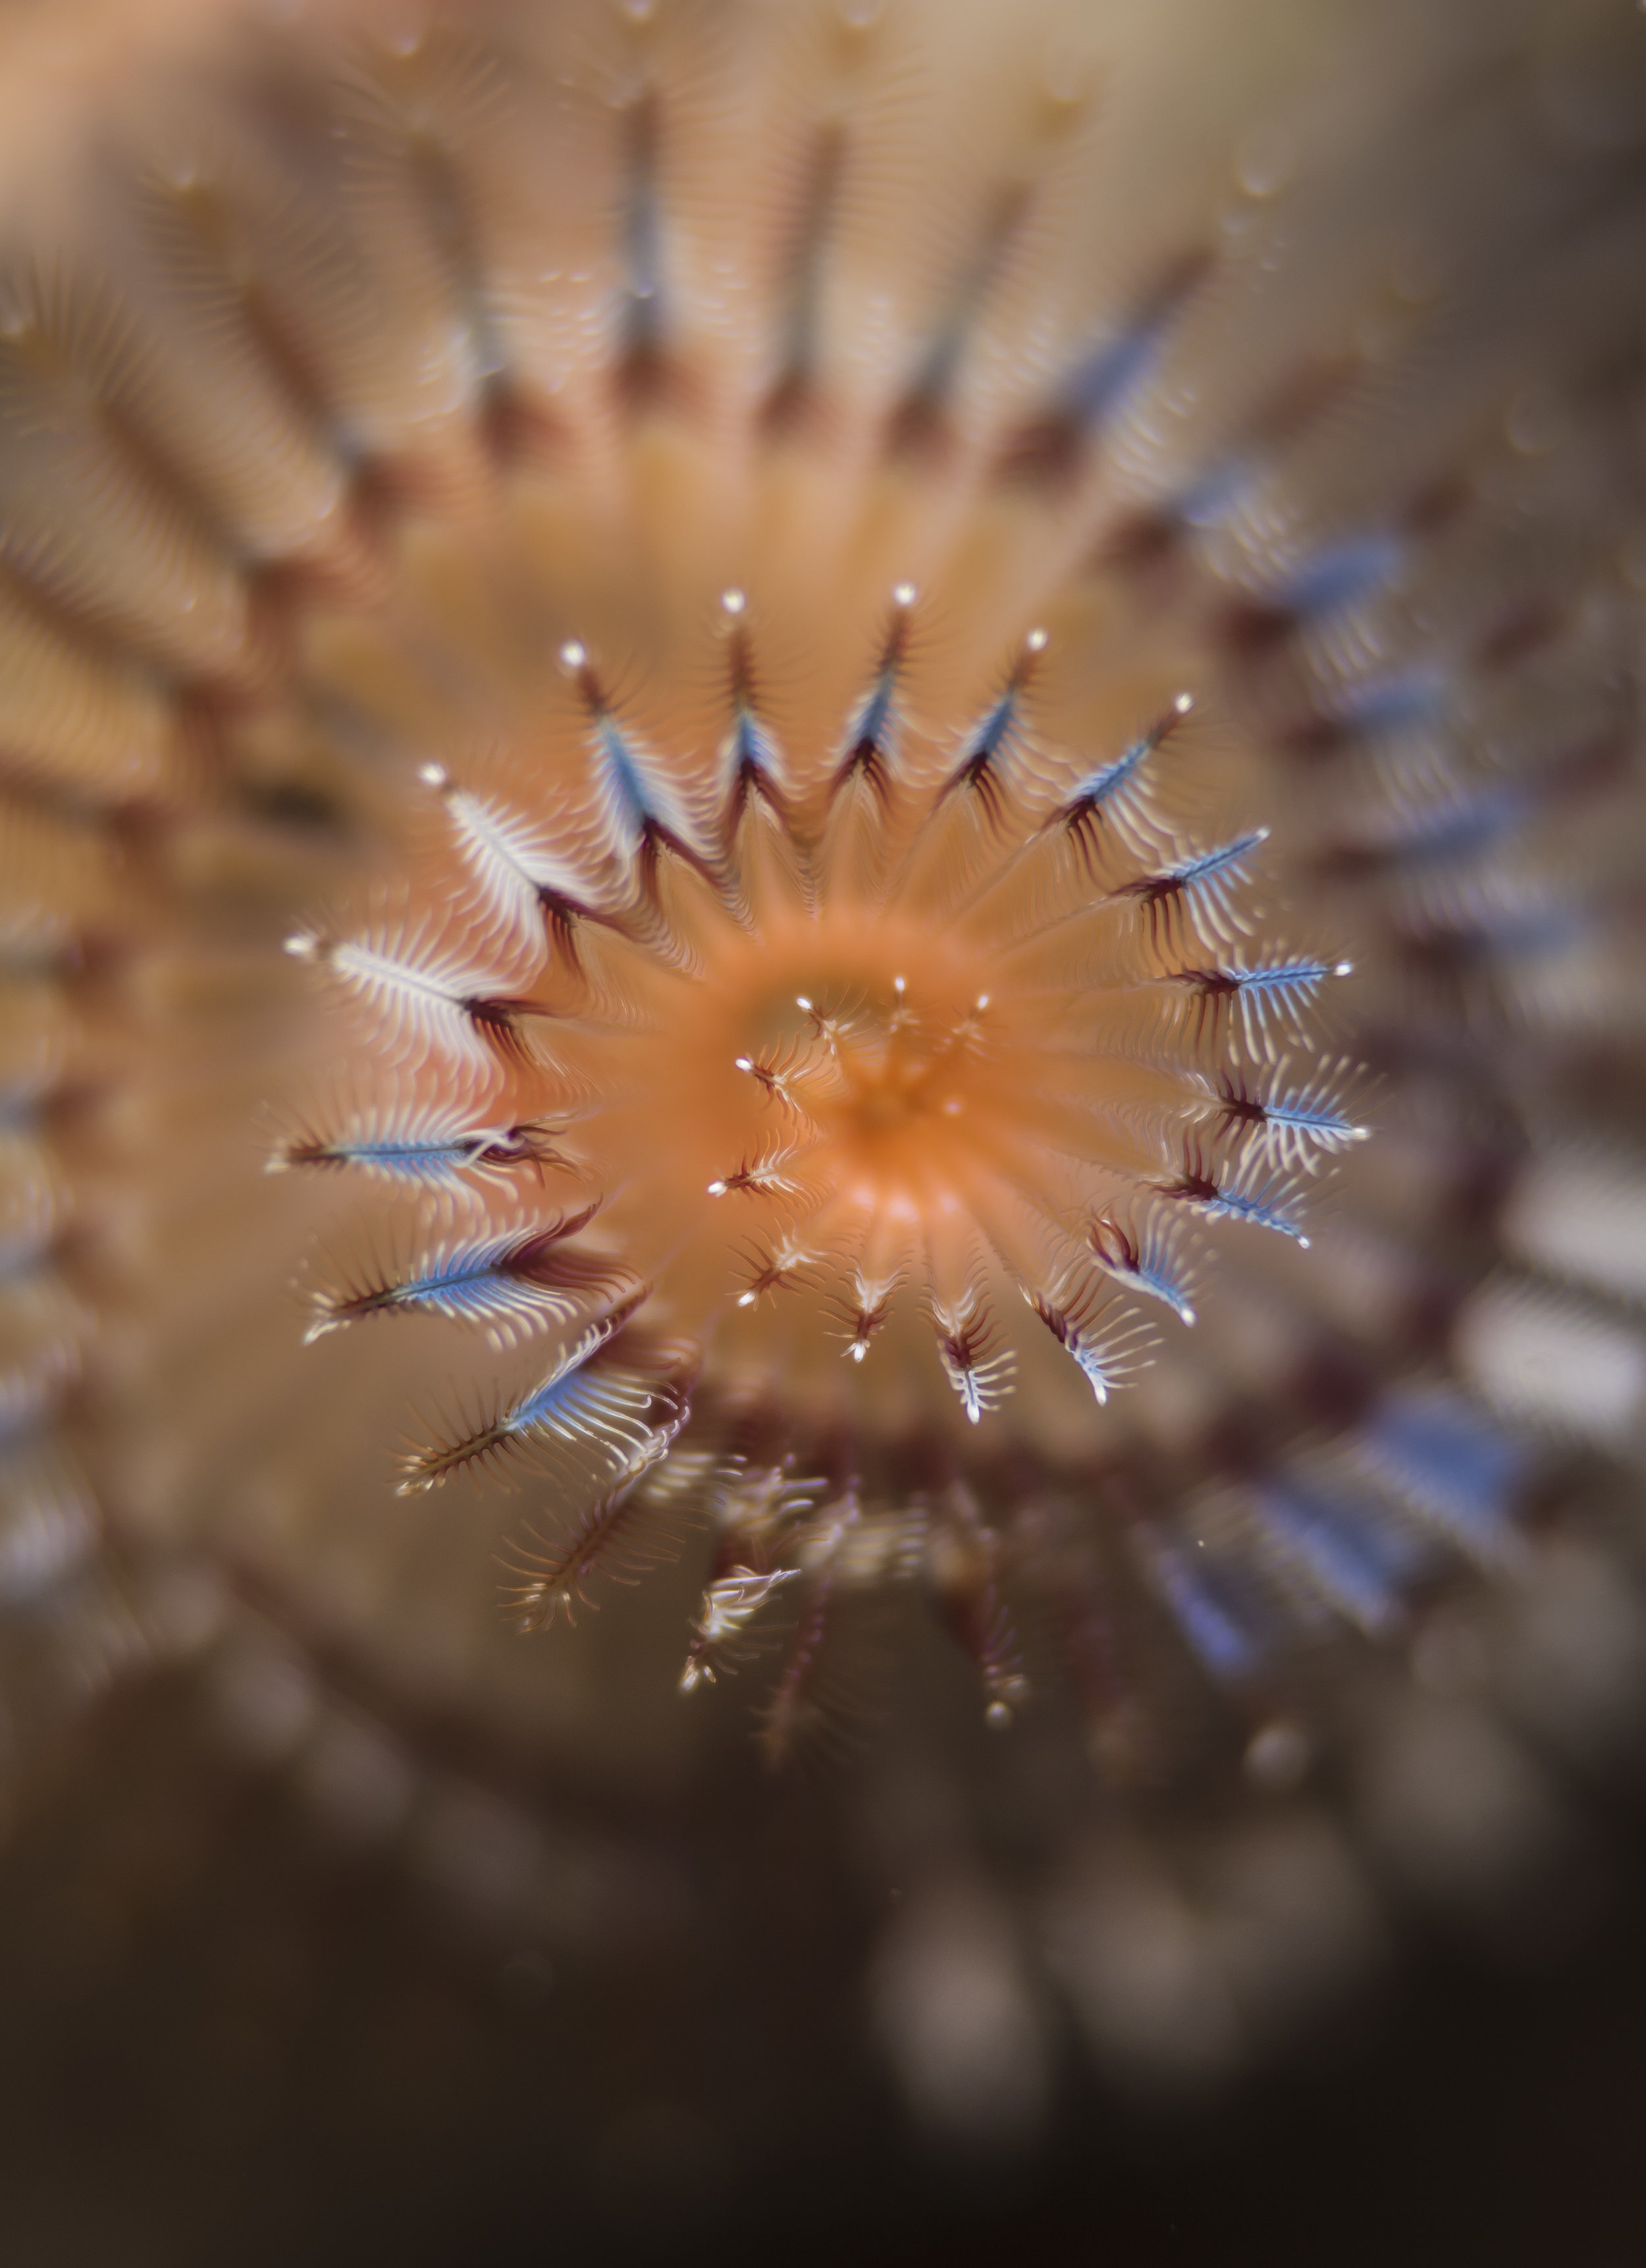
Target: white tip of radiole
{"type": "Point", "coordinates": [904, 594]}
{"type": "Point", "coordinates": [733, 602]}
{"type": "Point", "coordinates": [301, 947]}
{"type": "Point", "coordinates": [573, 654]}
{"type": "Point", "coordinates": [435, 775]}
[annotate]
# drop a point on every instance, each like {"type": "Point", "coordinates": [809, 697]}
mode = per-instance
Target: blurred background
{"type": "Point", "coordinates": [225, 2039]}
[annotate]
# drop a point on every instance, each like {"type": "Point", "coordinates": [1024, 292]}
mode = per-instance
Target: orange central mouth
{"type": "Point", "coordinates": [904, 1092]}
{"type": "Point", "coordinates": [802, 1075]}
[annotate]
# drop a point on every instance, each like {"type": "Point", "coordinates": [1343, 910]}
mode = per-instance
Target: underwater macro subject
{"type": "Point", "coordinates": [823, 1206]}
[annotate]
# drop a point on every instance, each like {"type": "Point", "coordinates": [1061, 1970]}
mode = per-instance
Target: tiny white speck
{"type": "Point", "coordinates": [1183, 703]}
{"type": "Point", "coordinates": [745, 1063]}
{"type": "Point", "coordinates": [733, 602]}
{"type": "Point", "coordinates": [573, 655]}
{"type": "Point", "coordinates": [904, 594]}
{"type": "Point", "coordinates": [1036, 641]}
{"type": "Point", "coordinates": [432, 774]}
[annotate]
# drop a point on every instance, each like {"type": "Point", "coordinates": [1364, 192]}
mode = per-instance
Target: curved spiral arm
{"type": "Point", "coordinates": [1085, 1061]}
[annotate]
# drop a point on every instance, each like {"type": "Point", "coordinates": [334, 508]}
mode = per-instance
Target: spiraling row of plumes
{"type": "Point", "coordinates": [1434, 621]}
{"type": "Point", "coordinates": [1138, 1055]}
